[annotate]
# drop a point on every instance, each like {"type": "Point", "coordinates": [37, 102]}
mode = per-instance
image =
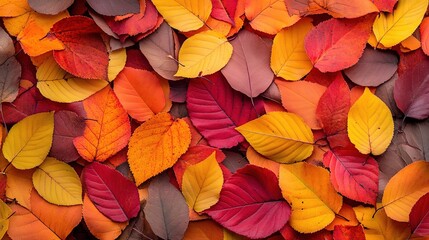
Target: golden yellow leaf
{"type": "Point", "coordinates": [201, 184]}
{"type": "Point", "coordinates": [404, 189]}
{"type": "Point", "coordinates": [57, 85]}
{"type": "Point", "coordinates": [5, 213]}
{"type": "Point", "coordinates": [312, 197]}
{"type": "Point", "coordinates": [288, 57]}
{"type": "Point", "coordinates": [379, 226]}
{"type": "Point", "coordinates": [279, 136]}
{"type": "Point", "coordinates": [184, 15]}
{"type": "Point", "coordinates": [391, 28]}
{"type": "Point", "coordinates": [58, 183]}
{"type": "Point", "coordinates": [370, 124]}
{"type": "Point", "coordinates": [268, 16]}
{"type": "Point", "coordinates": [117, 60]}
{"type": "Point", "coordinates": [202, 54]}
{"type": "Point", "coordinates": [156, 145]}
{"type": "Point", "coordinates": [29, 141]}
{"type": "Point", "coordinates": [13, 8]}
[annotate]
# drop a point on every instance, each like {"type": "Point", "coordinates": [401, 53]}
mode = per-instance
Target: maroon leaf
{"type": "Point", "coordinates": [248, 71]}
{"type": "Point", "coordinates": [411, 91]}
{"type": "Point", "coordinates": [251, 203]}
{"type": "Point", "coordinates": [166, 209]}
{"type": "Point", "coordinates": [216, 110]}
{"type": "Point", "coordinates": [374, 68]}
{"type": "Point", "coordinates": [113, 195]}
{"type": "Point", "coordinates": [115, 7]}
{"type": "Point", "coordinates": [85, 54]}
{"type": "Point", "coordinates": [68, 125]}
{"type": "Point", "coordinates": [10, 75]}
{"type": "Point", "coordinates": [385, 93]}
{"type": "Point", "coordinates": [51, 7]}
{"type": "Point", "coordinates": [419, 217]}
{"type": "Point", "coordinates": [353, 174]}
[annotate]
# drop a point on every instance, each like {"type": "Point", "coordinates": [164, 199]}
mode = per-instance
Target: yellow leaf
{"type": "Point", "coordinates": [268, 16]}
{"type": "Point", "coordinates": [202, 183]}
{"type": "Point", "coordinates": [5, 213]}
{"type": "Point", "coordinates": [13, 8]}
{"type": "Point", "coordinates": [279, 136]}
{"type": "Point", "coordinates": [391, 28]}
{"type": "Point", "coordinates": [57, 85]}
{"type": "Point", "coordinates": [404, 189]}
{"type": "Point", "coordinates": [202, 54]}
{"type": "Point", "coordinates": [370, 124]}
{"type": "Point", "coordinates": [58, 183]}
{"type": "Point", "coordinates": [184, 15]}
{"type": "Point", "coordinates": [156, 145]}
{"type": "Point", "coordinates": [288, 57]}
{"type": "Point", "coordinates": [29, 141]}
{"type": "Point", "coordinates": [311, 196]}
{"type": "Point", "coordinates": [117, 60]}
{"type": "Point", "coordinates": [379, 226]}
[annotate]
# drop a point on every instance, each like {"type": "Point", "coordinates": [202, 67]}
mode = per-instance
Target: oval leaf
{"type": "Point", "coordinates": [109, 129]}
{"type": "Point", "coordinates": [419, 217]}
{"type": "Point", "coordinates": [404, 189]}
{"type": "Point", "coordinates": [202, 54]}
{"type": "Point", "coordinates": [370, 124]}
{"type": "Point", "coordinates": [166, 209]}
{"type": "Point", "coordinates": [156, 145]}
{"type": "Point", "coordinates": [113, 195]}
{"type": "Point", "coordinates": [184, 15]}
{"type": "Point", "coordinates": [117, 60]}
{"type": "Point", "coordinates": [251, 203]}
{"type": "Point", "coordinates": [51, 7]}
{"type": "Point", "coordinates": [392, 28]}
{"type": "Point", "coordinates": [288, 57]}
{"type": "Point", "coordinates": [115, 7]}
{"type": "Point", "coordinates": [7, 48]}
{"type": "Point", "coordinates": [280, 136]}
{"type": "Point", "coordinates": [10, 76]}
{"type": "Point", "coordinates": [29, 140]}
{"type": "Point", "coordinates": [58, 183]}
{"type": "Point", "coordinates": [312, 197]}
{"type": "Point", "coordinates": [201, 184]}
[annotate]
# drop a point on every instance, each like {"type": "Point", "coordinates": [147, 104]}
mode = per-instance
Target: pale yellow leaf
{"type": "Point", "coordinates": [184, 15]}
{"type": "Point", "coordinates": [391, 28]}
{"type": "Point", "coordinates": [202, 54]}
{"type": "Point", "coordinates": [279, 136]}
{"type": "Point", "coordinates": [57, 85]}
{"type": "Point", "coordinates": [29, 141]}
{"type": "Point", "coordinates": [370, 124]}
{"type": "Point", "coordinates": [58, 183]}
{"type": "Point", "coordinates": [201, 184]}
{"type": "Point", "coordinates": [117, 60]}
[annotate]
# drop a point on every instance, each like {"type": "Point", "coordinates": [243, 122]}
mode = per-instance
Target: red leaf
{"type": "Point", "coordinates": [411, 91]}
{"type": "Point", "coordinates": [337, 44]}
{"type": "Point", "coordinates": [424, 34]}
{"type": "Point", "coordinates": [3, 183]}
{"type": "Point", "coordinates": [113, 194]}
{"type": "Point", "coordinates": [216, 110]}
{"type": "Point", "coordinates": [220, 12]}
{"type": "Point", "coordinates": [251, 203]}
{"type": "Point", "coordinates": [85, 54]}
{"type": "Point", "coordinates": [353, 174]}
{"type": "Point", "coordinates": [385, 5]}
{"type": "Point", "coordinates": [419, 217]}
{"type": "Point", "coordinates": [68, 125]}
{"type": "Point", "coordinates": [348, 232]}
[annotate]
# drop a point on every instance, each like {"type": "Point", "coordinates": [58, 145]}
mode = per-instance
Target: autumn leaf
{"type": "Point", "coordinates": [10, 73]}
{"type": "Point", "coordinates": [13, 8]}
{"type": "Point", "coordinates": [49, 6]}
{"type": "Point", "coordinates": [117, 60]}
{"type": "Point", "coordinates": [7, 48]}
{"type": "Point", "coordinates": [419, 217]}
{"type": "Point", "coordinates": [112, 7]}
{"type": "Point", "coordinates": [5, 214]}
{"type": "Point", "coordinates": [335, 8]}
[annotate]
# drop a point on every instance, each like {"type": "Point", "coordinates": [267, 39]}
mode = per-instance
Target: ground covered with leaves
{"type": "Point", "coordinates": [214, 119]}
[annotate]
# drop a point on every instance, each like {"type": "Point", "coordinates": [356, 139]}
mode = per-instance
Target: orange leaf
{"type": "Point", "coordinates": [204, 230]}
{"type": "Point", "coordinates": [211, 24]}
{"type": "Point", "coordinates": [302, 98]}
{"type": "Point", "coordinates": [142, 93]}
{"type": "Point", "coordinates": [19, 183]}
{"type": "Point", "coordinates": [157, 145]}
{"type": "Point", "coordinates": [345, 217]}
{"type": "Point", "coordinates": [258, 160]}
{"type": "Point", "coordinates": [107, 129]}
{"type": "Point", "coordinates": [13, 8]}
{"type": "Point", "coordinates": [424, 33]}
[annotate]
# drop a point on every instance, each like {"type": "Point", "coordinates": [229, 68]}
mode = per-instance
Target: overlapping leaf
{"type": "Point", "coordinates": [114, 7]}
{"type": "Point", "coordinates": [10, 73]}
{"type": "Point", "coordinates": [51, 7]}
{"type": "Point", "coordinates": [5, 214]}
{"type": "Point", "coordinates": [419, 217]}
{"type": "Point", "coordinates": [335, 8]}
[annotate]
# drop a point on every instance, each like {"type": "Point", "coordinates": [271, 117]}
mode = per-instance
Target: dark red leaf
{"type": "Point", "coordinates": [115, 7]}
{"type": "Point", "coordinates": [85, 54]}
{"type": "Point", "coordinates": [325, 79]}
{"type": "Point", "coordinates": [216, 110]}
{"type": "Point", "coordinates": [348, 232]}
{"type": "Point", "coordinates": [3, 183]}
{"type": "Point", "coordinates": [251, 203]}
{"type": "Point", "coordinates": [113, 195]}
{"type": "Point", "coordinates": [419, 217]}
{"type": "Point", "coordinates": [51, 7]}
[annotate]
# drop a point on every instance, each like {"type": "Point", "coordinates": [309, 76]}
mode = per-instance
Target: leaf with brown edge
{"type": "Point", "coordinates": [107, 128]}
{"type": "Point", "coordinates": [156, 145]}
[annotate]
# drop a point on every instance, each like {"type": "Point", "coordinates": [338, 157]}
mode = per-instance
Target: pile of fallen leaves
{"type": "Point", "coordinates": [214, 119]}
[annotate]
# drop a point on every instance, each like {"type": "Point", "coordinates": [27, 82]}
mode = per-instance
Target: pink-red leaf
{"type": "Point", "coordinates": [419, 217]}
{"type": "Point", "coordinates": [216, 110]}
{"type": "Point", "coordinates": [337, 44]}
{"type": "Point", "coordinates": [353, 174]}
{"type": "Point", "coordinates": [251, 203]}
{"type": "Point", "coordinates": [220, 12]}
{"type": "Point", "coordinates": [85, 54]}
{"type": "Point", "coordinates": [113, 194]}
